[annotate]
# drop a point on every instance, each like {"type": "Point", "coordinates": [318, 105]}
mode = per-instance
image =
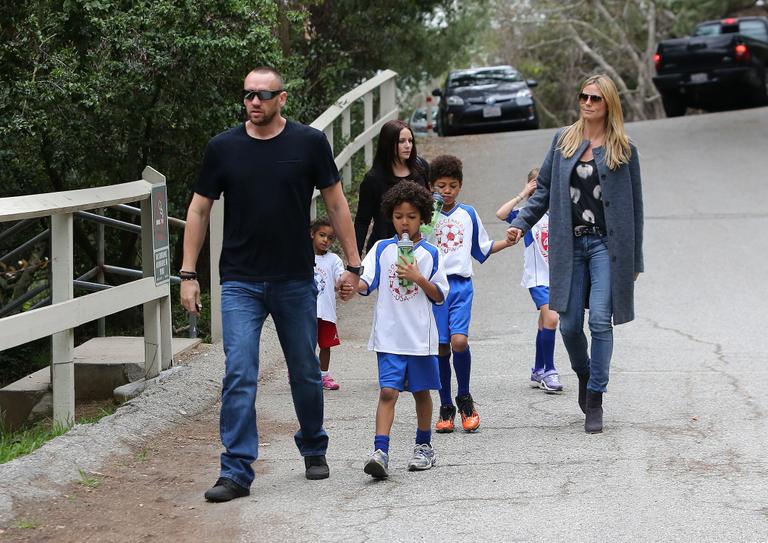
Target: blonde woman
{"type": "Point", "coordinates": [590, 182]}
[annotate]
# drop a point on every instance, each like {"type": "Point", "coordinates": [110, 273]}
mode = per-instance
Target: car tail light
{"type": "Point", "coordinates": [657, 61]}
{"type": "Point", "coordinates": [730, 21]}
{"type": "Point", "coordinates": [742, 53]}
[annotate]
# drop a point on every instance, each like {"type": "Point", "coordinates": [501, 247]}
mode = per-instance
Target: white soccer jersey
{"type": "Point", "coordinates": [461, 237]}
{"type": "Point", "coordinates": [328, 269]}
{"type": "Point", "coordinates": [536, 252]}
{"type": "Point", "coordinates": [403, 322]}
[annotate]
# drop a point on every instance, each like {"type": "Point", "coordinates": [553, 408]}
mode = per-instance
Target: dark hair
{"type": "Point", "coordinates": [386, 148]}
{"type": "Point", "coordinates": [269, 70]}
{"type": "Point", "coordinates": [318, 223]}
{"type": "Point", "coordinates": [445, 166]}
{"type": "Point", "coordinates": [413, 193]}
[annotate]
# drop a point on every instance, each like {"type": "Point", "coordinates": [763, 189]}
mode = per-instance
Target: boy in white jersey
{"type": "Point", "coordinates": [328, 270]}
{"type": "Point", "coordinates": [460, 238]}
{"type": "Point", "coordinates": [404, 332]}
{"type": "Point", "coordinates": [536, 280]}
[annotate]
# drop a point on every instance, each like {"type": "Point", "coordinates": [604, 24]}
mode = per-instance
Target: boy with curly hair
{"type": "Point", "coordinates": [404, 332]}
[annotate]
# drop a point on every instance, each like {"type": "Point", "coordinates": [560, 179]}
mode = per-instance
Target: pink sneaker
{"type": "Point", "coordinates": [329, 383]}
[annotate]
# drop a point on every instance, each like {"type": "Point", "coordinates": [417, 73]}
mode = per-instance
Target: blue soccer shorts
{"type": "Point", "coordinates": [540, 295]}
{"type": "Point", "coordinates": [408, 372]}
{"type": "Point", "coordinates": [452, 317]}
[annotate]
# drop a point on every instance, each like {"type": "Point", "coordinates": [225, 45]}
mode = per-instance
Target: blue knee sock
{"type": "Point", "coordinates": [445, 380]}
{"type": "Point", "coordinates": [462, 363]}
{"type": "Point", "coordinates": [548, 348]}
{"type": "Point", "coordinates": [423, 437]}
{"type": "Point", "coordinates": [381, 442]}
{"type": "Point", "coordinates": [539, 364]}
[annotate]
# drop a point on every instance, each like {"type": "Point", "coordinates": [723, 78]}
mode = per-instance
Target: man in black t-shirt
{"type": "Point", "coordinates": [267, 169]}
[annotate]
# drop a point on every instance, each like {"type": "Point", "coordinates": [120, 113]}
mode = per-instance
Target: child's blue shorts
{"type": "Point", "coordinates": [452, 317]}
{"type": "Point", "coordinates": [408, 372]}
{"type": "Point", "coordinates": [540, 295]}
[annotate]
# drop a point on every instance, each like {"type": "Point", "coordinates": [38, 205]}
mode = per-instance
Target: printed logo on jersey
{"type": "Point", "coordinates": [321, 280]}
{"type": "Point", "coordinates": [399, 292]}
{"type": "Point", "coordinates": [542, 239]}
{"type": "Point", "coordinates": [450, 235]}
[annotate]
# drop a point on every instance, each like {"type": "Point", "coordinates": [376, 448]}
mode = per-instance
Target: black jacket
{"type": "Point", "coordinates": [372, 189]}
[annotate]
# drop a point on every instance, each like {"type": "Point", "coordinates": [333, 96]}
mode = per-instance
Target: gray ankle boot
{"type": "Point", "coordinates": [583, 378]}
{"type": "Point", "coordinates": [594, 421]}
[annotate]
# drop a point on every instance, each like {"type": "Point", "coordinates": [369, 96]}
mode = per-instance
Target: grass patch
{"type": "Point", "coordinates": [26, 524]}
{"type": "Point", "coordinates": [22, 442]}
{"type": "Point", "coordinates": [88, 480]}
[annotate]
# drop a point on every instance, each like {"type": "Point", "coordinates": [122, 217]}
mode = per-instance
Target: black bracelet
{"type": "Point", "coordinates": [187, 275]}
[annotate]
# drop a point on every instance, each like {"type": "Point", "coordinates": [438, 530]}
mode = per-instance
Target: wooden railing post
{"type": "Point", "coordinates": [216, 237]}
{"type": "Point", "coordinates": [346, 132]}
{"type": "Point", "coordinates": [63, 343]}
{"type": "Point", "coordinates": [157, 314]}
{"type": "Point", "coordinates": [367, 122]}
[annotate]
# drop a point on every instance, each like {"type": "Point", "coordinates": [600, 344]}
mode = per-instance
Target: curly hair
{"type": "Point", "coordinates": [445, 166]}
{"type": "Point", "coordinates": [319, 223]}
{"type": "Point", "coordinates": [411, 192]}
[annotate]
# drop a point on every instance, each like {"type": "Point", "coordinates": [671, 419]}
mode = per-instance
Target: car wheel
{"type": "Point", "coordinates": [674, 106]}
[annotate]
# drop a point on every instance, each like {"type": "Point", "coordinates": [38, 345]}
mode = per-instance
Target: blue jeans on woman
{"type": "Point", "coordinates": [591, 278]}
{"type": "Point", "coordinates": [244, 307]}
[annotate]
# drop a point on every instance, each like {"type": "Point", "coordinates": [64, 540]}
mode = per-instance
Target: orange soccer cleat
{"type": "Point", "coordinates": [470, 420]}
{"type": "Point", "coordinates": [445, 422]}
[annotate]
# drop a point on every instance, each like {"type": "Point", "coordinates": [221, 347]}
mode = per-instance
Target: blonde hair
{"type": "Point", "coordinates": [533, 174]}
{"type": "Point", "coordinates": [615, 142]}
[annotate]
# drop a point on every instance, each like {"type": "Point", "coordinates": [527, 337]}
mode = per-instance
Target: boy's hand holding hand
{"type": "Point", "coordinates": [346, 285]}
{"type": "Point", "coordinates": [514, 235]}
{"type": "Point", "coordinates": [530, 188]}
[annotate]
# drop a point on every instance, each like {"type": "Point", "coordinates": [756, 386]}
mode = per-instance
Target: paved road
{"type": "Point", "coordinates": [683, 453]}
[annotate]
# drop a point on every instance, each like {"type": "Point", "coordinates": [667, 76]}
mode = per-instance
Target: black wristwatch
{"type": "Point", "coordinates": [357, 270]}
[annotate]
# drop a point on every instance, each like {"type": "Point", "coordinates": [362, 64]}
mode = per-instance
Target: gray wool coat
{"type": "Point", "coordinates": [623, 204]}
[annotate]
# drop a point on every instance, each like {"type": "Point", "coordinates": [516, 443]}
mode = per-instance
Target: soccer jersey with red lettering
{"type": "Point", "coordinates": [328, 269]}
{"type": "Point", "coordinates": [403, 322]}
{"type": "Point", "coordinates": [461, 237]}
{"type": "Point", "coordinates": [536, 252]}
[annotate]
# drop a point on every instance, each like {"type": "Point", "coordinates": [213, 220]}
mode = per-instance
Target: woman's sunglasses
{"type": "Point", "coordinates": [262, 94]}
{"type": "Point", "coordinates": [595, 99]}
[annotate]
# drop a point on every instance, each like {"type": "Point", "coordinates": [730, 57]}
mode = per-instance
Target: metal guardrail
{"type": "Point", "coordinates": [384, 83]}
{"type": "Point", "coordinates": [67, 312]}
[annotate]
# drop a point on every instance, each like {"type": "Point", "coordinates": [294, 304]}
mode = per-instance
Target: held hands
{"type": "Point", "coordinates": [530, 188]}
{"type": "Point", "coordinates": [408, 271]}
{"type": "Point", "coordinates": [190, 297]}
{"type": "Point", "coordinates": [347, 285]}
{"type": "Point", "coordinates": [514, 235]}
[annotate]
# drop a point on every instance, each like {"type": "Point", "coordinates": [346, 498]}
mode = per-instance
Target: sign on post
{"type": "Point", "coordinates": [160, 242]}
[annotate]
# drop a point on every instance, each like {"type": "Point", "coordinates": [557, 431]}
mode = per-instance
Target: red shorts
{"type": "Point", "coordinates": [327, 336]}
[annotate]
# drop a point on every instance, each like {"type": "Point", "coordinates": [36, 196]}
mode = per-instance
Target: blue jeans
{"type": "Point", "coordinates": [244, 307]}
{"type": "Point", "coordinates": [591, 277]}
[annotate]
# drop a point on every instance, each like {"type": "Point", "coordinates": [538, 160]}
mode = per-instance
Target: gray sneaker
{"type": "Point", "coordinates": [377, 464]}
{"type": "Point", "coordinates": [423, 458]}
{"type": "Point", "coordinates": [550, 382]}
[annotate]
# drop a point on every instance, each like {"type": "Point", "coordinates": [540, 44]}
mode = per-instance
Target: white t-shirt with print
{"type": "Point", "coordinates": [328, 269]}
{"type": "Point", "coordinates": [461, 237]}
{"type": "Point", "coordinates": [403, 321]}
{"type": "Point", "coordinates": [536, 252]}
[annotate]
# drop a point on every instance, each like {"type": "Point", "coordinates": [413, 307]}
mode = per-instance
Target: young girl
{"type": "Point", "coordinates": [328, 270]}
{"type": "Point", "coordinates": [404, 333]}
{"type": "Point", "coordinates": [536, 280]}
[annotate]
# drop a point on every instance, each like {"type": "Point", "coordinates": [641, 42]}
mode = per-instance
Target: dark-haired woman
{"type": "Point", "coordinates": [395, 161]}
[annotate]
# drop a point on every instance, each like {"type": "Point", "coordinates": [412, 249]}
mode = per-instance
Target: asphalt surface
{"type": "Point", "coordinates": [683, 452]}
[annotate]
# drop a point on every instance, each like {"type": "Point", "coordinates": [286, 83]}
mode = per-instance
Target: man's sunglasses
{"type": "Point", "coordinates": [262, 94]}
{"type": "Point", "coordinates": [595, 99]}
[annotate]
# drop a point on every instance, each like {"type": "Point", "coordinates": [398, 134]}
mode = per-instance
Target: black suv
{"type": "Point", "coordinates": [492, 97]}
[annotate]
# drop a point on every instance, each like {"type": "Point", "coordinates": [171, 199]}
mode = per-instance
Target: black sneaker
{"type": "Point", "coordinates": [225, 490]}
{"type": "Point", "coordinates": [317, 467]}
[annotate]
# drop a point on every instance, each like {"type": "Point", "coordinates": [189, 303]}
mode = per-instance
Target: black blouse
{"type": "Point", "coordinates": [586, 196]}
